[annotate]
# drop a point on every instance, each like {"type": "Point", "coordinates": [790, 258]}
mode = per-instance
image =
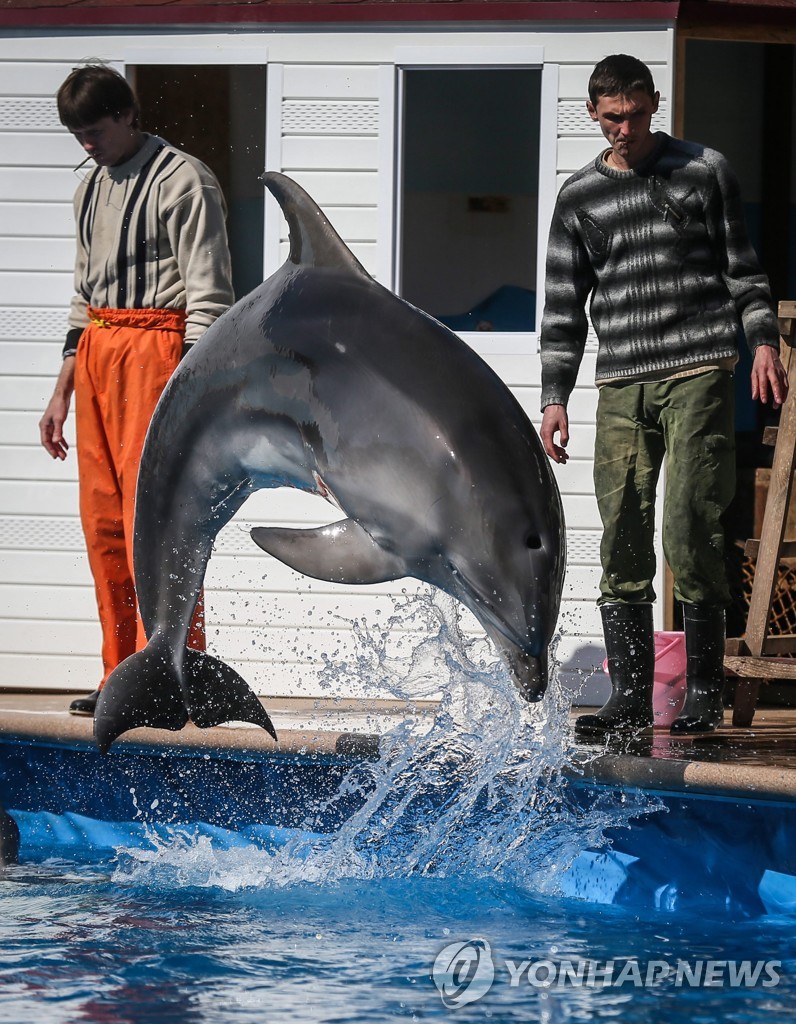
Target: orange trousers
{"type": "Point", "coordinates": [124, 359]}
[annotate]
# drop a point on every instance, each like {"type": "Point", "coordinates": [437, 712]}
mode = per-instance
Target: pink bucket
{"type": "Point", "coordinates": [668, 691]}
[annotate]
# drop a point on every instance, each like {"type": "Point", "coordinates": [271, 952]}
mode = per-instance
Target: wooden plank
{"type": "Point", "coordinates": [761, 668]}
{"type": "Point", "coordinates": [774, 522]}
{"type": "Point", "coordinates": [787, 549]}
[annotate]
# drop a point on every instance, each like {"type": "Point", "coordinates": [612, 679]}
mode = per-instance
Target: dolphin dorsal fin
{"type": "Point", "coordinates": [313, 240]}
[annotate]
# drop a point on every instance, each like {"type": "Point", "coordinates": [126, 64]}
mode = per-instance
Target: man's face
{"type": "Point", "coordinates": [625, 122]}
{"type": "Point", "coordinates": [110, 140]}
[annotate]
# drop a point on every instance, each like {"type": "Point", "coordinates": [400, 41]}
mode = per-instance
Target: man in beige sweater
{"type": "Point", "coordinates": [152, 272]}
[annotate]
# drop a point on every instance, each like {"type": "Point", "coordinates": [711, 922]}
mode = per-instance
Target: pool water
{"type": "Point", "coordinates": [470, 874]}
{"type": "Point", "coordinates": [86, 941]}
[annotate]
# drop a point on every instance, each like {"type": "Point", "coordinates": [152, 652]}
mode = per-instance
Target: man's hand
{"type": "Point", "coordinates": [555, 421]}
{"type": "Point", "coordinates": [769, 379]}
{"type": "Point", "coordinates": [51, 425]}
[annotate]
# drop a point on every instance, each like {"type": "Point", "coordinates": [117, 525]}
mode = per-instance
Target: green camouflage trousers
{"type": "Point", "coordinates": [690, 420]}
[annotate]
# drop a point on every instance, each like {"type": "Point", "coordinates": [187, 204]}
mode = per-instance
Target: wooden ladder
{"type": "Point", "coordinates": [754, 657]}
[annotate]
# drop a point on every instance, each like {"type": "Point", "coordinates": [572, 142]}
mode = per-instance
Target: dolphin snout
{"type": "Point", "coordinates": [529, 673]}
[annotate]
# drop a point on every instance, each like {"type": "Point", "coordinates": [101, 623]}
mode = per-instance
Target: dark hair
{"type": "Point", "coordinates": [619, 75]}
{"type": "Point", "coordinates": [93, 92]}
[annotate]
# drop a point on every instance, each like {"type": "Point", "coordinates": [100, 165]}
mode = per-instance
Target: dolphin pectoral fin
{"type": "Point", "coordinates": [142, 691]}
{"type": "Point", "coordinates": [215, 693]}
{"type": "Point", "coordinates": [339, 553]}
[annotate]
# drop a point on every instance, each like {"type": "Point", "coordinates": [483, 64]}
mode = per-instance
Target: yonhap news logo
{"type": "Point", "coordinates": [465, 971]}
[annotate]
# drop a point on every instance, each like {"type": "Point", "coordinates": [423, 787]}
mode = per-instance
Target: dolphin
{"type": "Point", "coordinates": [323, 380]}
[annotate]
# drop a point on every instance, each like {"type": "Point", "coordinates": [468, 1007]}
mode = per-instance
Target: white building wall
{"type": "Point", "coordinates": [331, 116]}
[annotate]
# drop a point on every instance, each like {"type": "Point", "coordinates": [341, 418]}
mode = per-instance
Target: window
{"type": "Point", "coordinates": [468, 215]}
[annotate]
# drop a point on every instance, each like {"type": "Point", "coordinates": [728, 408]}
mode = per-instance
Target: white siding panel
{"type": "Point", "coordinates": [32, 78]}
{"type": "Point", "coordinates": [17, 428]}
{"type": "Point", "coordinates": [302, 153]}
{"type": "Point", "coordinates": [36, 254]}
{"type": "Point", "coordinates": [40, 287]}
{"type": "Point", "coordinates": [50, 220]}
{"type": "Point", "coordinates": [575, 477]}
{"type": "Point", "coordinates": [589, 44]}
{"type": "Point", "coordinates": [61, 671]}
{"type": "Point", "coordinates": [580, 511]}
{"type": "Point", "coordinates": [33, 463]}
{"type": "Point", "coordinates": [573, 79]}
{"type": "Point", "coordinates": [24, 393]}
{"type": "Point", "coordinates": [48, 603]}
{"type": "Point", "coordinates": [43, 184]}
{"type": "Point", "coordinates": [31, 568]}
{"type": "Point", "coordinates": [41, 533]}
{"type": "Point", "coordinates": [48, 149]}
{"type": "Point", "coordinates": [36, 358]}
{"type": "Point", "coordinates": [349, 188]}
{"type": "Point", "coordinates": [356, 223]}
{"type": "Point", "coordinates": [32, 323]}
{"type": "Point", "coordinates": [32, 497]}
{"type": "Point", "coordinates": [27, 636]}
{"type": "Point", "coordinates": [312, 81]}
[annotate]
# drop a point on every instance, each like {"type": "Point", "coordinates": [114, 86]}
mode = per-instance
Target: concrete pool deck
{"type": "Point", "coordinates": [758, 762]}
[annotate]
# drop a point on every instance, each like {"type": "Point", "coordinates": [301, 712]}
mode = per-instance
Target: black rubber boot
{"type": "Point", "coordinates": [84, 705]}
{"type": "Point", "coordinates": [630, 645]}
{"type": "Point", "coordinates": [703, 709]}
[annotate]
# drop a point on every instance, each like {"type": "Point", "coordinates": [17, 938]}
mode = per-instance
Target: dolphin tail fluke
{"type": "Point", "coordinates": [313, 240]}
{"type": "Point", "coordinates": [215, 693]}
{"type": "Point", "coordinates": [145, 690]}
{"type": "Point", "coordinates": [142, 691]}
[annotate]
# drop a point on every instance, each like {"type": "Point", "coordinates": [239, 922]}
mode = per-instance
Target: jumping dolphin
{"type": "Point", "coordinates": [324, 380]}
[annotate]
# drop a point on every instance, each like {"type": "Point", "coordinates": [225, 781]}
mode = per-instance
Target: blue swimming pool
{"type": "Point", "coordinates": [474, 870]}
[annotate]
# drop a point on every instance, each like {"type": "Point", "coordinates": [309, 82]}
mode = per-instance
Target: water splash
{"type": "Point", "coordinates": [484, 788]}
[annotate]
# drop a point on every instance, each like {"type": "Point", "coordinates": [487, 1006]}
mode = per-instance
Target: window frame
{"type": "Point", "coordinates": [462, 58]}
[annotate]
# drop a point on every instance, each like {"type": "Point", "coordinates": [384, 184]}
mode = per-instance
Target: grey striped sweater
{"type": "Point", "coordinates": [662, 255]}
{"type": "Point", "coordinates": [151, 234]}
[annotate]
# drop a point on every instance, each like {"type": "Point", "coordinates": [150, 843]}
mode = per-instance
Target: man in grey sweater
{"type": "Point", "coordinates": [651, 233]}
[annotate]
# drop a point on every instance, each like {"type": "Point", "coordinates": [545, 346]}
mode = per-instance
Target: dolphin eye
{"type": "Point", "coordinates": [533, 541]}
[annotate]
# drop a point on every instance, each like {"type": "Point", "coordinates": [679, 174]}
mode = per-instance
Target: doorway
{"type": "Point", "coordinates": [216, 113]}
{"type": "Point", "coordinates": [740, 98]}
